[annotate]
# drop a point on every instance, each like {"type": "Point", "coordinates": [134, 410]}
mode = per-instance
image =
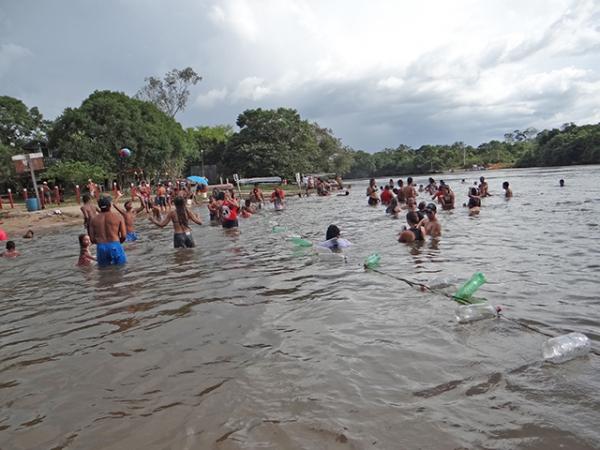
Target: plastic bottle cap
{"type": "Point", "coordinates": [499, 309]}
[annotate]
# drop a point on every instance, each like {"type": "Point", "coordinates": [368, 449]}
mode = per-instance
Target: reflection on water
{"type": "Point", "coordinates": [248, 341]}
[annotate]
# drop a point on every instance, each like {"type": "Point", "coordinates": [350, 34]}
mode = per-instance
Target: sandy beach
{"type": "Point", "coordinates": [17, 220]}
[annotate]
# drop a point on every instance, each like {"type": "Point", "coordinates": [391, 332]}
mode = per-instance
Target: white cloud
{"type": "Point", "coordinates": [211, 98]}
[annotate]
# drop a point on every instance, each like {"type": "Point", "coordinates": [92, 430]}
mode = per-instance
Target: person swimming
{"type": "Point", "coordinates": [333, 239]}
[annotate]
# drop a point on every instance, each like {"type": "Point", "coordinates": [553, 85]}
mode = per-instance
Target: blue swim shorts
{"type": "Point", "coordinates": [132, 237]}
{"type": "Point", "coordinates": [110, 253]}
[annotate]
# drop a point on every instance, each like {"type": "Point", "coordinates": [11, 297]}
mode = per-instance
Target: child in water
{"type": "Point", "coordinates": [85, 257]}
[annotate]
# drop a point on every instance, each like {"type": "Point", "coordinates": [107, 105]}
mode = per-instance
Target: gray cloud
{"type": "Point", "coordinates": [372, 75]}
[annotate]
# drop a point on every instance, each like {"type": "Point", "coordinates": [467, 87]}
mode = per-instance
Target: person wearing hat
{"type": "Point", "coordinates": [432, 225]}
{"type": "Point", "coordinates": [107, 231]}
{"type": "Point", "coordinates": [46, 190]}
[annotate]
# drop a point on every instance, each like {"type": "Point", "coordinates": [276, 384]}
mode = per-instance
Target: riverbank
{"type": "Point", "coordinates": [16, 221]}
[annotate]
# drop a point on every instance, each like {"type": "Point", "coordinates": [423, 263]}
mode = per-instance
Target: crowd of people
{"type": "Point", "coordinates": [422, 218]}
{"type": "Point", "coordinates": [169, 205]}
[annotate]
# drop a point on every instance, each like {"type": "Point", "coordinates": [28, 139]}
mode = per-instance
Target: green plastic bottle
{"type": "Point", "coordinates": [372, 260]}
{"type": "Point", "coordinates": [278, 229]}
{"type": "Point", "coordinates": [468, 289]}
{"type": "Point", "coordinates": [301, 242]}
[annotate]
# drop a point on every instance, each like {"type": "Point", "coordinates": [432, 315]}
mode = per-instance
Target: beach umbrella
{"type": "Point", "coordinates": [197, 179]}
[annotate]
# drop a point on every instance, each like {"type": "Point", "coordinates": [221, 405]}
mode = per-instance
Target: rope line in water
{"type": "Point", "coordinates": [422, 287]}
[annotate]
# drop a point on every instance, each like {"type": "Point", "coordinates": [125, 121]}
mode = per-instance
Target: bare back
{"type": "Point", "coordinates": [107, 227]}
{"type": "Point", "coordinates": [89, 212]}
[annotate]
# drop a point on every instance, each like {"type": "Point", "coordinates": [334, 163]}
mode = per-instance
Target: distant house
{"type": "Point", "coordinates": [38, 146]}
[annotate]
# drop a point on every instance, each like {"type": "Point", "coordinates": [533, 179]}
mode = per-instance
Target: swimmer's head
{"type": "Point", "coordinates": [86, 198]}
{"type": "Point", "coordinates": [104, 203]}
{"type": "Point", "coordinates": [10, 245]}
{"type": "Point", "coordinates": [561, 182]}
{"type": "Point", "coordinates": [332, 232]}
{"type": "Point", "coordinates": [431, 208]}
{"type": "Point", "coordinates": [473, 191]}
{"type": "Point", "coordinates": [84, 240]}
{"type": "Point", "coordinates": [180, 202]}
{"type": "Point", "coordinates": [128, 205]}
{"type": "Point", "coordinates": [409, 181]}
{"type": "Point", "coordinates": [505, 185]}
{"type": "Point", "coordinates": [28, 235]}
{"type": "Point", "coordinates": [422, 206]}
{"type": "Point", "coordinates": [412, 218]}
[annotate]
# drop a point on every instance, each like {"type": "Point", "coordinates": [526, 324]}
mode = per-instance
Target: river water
{"type": "Point", "coordinates": [248, 341]}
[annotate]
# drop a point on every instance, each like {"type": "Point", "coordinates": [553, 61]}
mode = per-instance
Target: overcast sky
{"type": "Point", "coordinates": [379, 73]}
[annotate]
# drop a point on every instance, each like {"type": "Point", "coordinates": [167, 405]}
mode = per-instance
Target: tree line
{"type": "Point", "coordinates": [86, 142]}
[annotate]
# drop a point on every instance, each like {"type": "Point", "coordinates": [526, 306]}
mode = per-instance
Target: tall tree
{"type": "Point", "coordinates": [19, 124]}
{"type": "Point", "coordinates": [108, 121]}
{"type": "Point", "coordinates": [171, 94]}
{"type": "Point", "coordinates": [270, 143]}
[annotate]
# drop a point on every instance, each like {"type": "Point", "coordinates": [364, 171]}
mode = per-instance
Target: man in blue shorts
{"type": "Point", "coordinates": [107, 231]}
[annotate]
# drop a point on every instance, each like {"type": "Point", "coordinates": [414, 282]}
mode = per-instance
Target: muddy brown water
{"type": "Point", "coordinates": [249, 342]}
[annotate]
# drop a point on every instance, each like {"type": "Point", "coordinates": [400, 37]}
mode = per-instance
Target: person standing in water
{"type": "Point", "coordinates": [180, 217]}
{"type": "Point", "coordinates": [107, 231]}
{"type": "Point", "coordinates": [277, 198]}
{"type": "Point", "coordinates": [85, 257]}
{"type": "Point", "coordinates": [507, 191]}
{"type": "Point", "coordinates": [415, 231]}
{"type": "Point", "coordinates": [432, 225]}
{"type": "Point", "coordinates": [128, 216]}
{"type": "Point", "coordinates": [89, 211]}
{"type": "Point", "coordinates": [229, 211]}
{"type": "Point", "coordinates": [11, 250]}
{"type": "Point", "coordinates": [373, 192]}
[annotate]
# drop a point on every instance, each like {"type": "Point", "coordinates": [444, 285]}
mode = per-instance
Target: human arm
{"type": "Point", "coordinates": [194, 217]}
{"type": "Point", "coordinates": [122, 230]}
{"type": "Point", "coordinates": [117, 207]}
{"type": "Point", "coordinates": [89, 255]}
{"type": "Point", "coordinates": [164, 223]}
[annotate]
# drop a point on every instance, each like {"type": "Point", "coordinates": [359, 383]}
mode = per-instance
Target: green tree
{"type": "Point", "coordinates": [271, 143]}
{"type": "Point", "coordinates": [19, 124]}
{"type": "Point", "coordinates": [72, 173]}
{"type": "Point", "coordinates": [332, 156]}
{"type": "Point", "coordinates": [172, 93]}
{"type": "Point", "coordinates": [208, 143]}
{"type": "Point", "coordinates": [108, 121]}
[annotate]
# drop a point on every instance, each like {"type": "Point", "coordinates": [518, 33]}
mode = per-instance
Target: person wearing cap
{"type": "Point", "coordinates": [107, 231]}
{"type": "Point", "coordinates": [432, 225]}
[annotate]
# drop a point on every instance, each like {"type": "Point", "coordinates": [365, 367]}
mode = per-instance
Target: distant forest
{"type": "Point", "coordinates": [569, 145]}
{"type": "Point", "coordinates": [85, 142]}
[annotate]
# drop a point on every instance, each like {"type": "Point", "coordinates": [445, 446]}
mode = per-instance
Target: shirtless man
{"type": "Point", "coordinates": [483, 188]}
{"type": "Point", "coordinates": [107, 231]}
{"type": "Point", "coordinates": [411, 204]}
{"type": "Point", "coordinates": [507, 191]}
{"type": "Point", "coordinates": [89, 211]}
{"type": "Point", "coordinates": [415, 231]}
{"type": "Point", "coordinates": [432, 225]}
{"type": "Point", "coordinates": [161, 193]}
{"type": "Point", "coordinates": [93, 189]}
{"type": "Point", "coordinates": [256, 196]}
{"type": "Point", "coordinates": [409, 189]}
{"type": "Point", "coordinates": [143, 192]}
{"type": "Point", "coordinates": [129, 216]}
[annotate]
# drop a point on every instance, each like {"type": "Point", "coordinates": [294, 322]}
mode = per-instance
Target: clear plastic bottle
{"type": "Point", "coordinates": [442, 281]}
{"type": "Point", "coordinates": [278, 229]}
{"type": "Point", "coordinates": [566, 347]}
{"type": "Point", "coordinates": [478, 311]}
{"type": "Point", "coordinates": [469, 288]}
{"type": "Point", "coordinates": [372, 260]}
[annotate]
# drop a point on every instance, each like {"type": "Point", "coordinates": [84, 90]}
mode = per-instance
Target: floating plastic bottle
{"type": "Point", "coordinates": [468, 289]}
{"type": "Point", "coordinates": [566, 347]}
{"type": "Point", "coordinates": [442, 281]}
{"type": "Point", "coordinates": [278, 229]}
{"type": "Point", "coordinates": [372, 260]}
{"type": "Point", "coordinates": [301, 242]}
{"type": "Point", "coordinates": [478, 311]}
